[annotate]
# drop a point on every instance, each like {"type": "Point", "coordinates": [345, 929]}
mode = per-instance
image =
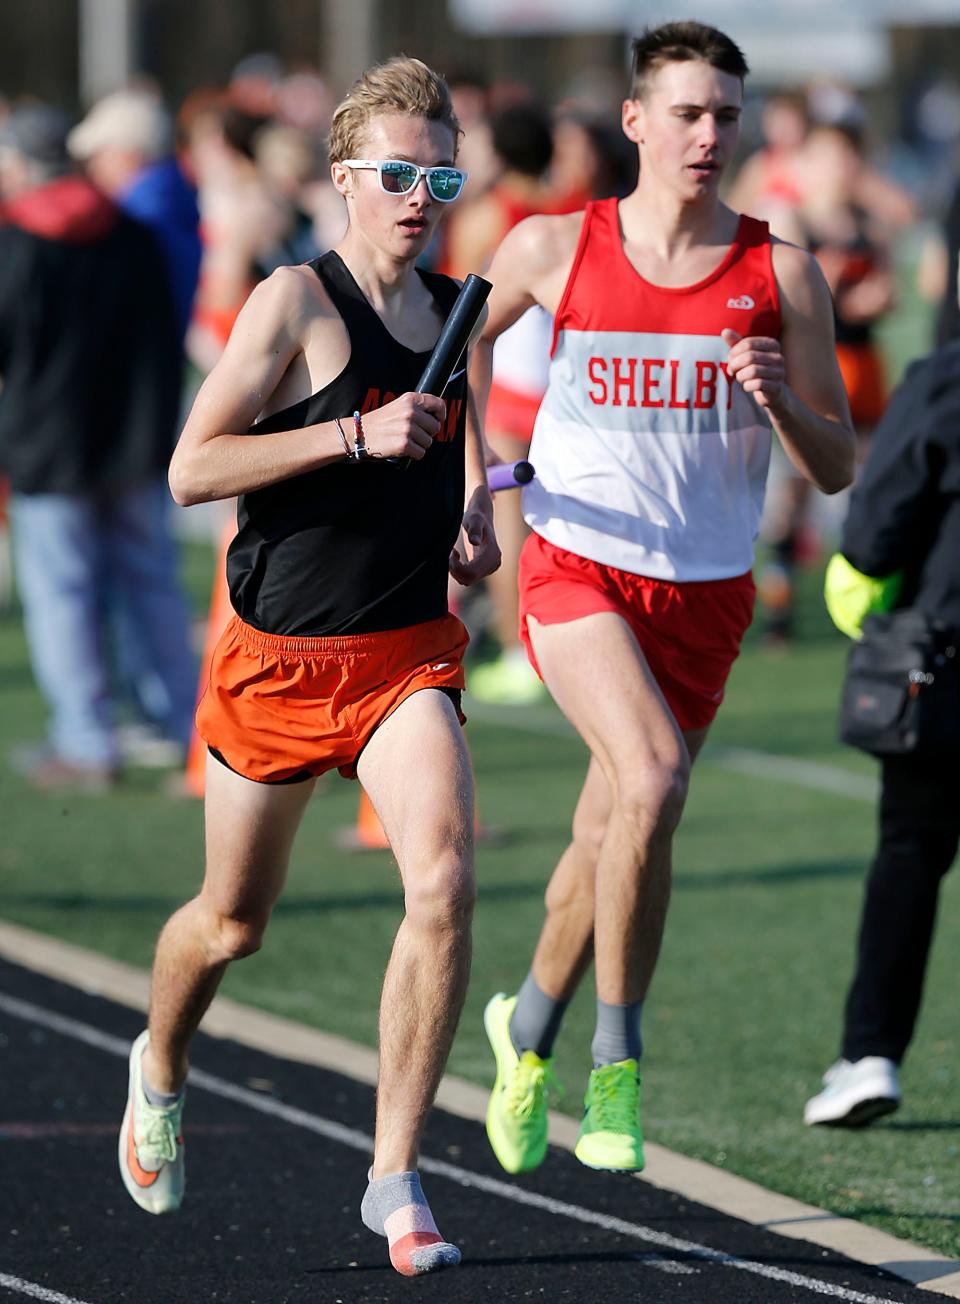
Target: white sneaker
{"type": "Point", "coordinates": [151, 1145]}
{"type": "Point", "coordinates": [855, 1093]}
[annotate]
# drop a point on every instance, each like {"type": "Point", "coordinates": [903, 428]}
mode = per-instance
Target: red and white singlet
{"type": "Point", "coordinates": [648, 457]}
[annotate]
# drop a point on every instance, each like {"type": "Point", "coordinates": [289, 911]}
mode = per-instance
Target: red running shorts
{"type": "Point", "coordinates": [690, 633]}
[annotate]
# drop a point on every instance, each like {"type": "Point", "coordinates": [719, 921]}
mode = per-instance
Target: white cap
{"type": "Point", "coordinates": [131, 119]}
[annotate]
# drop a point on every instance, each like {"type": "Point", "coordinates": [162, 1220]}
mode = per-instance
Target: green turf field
{"type": "Point", "coordinates": [744, 1012]}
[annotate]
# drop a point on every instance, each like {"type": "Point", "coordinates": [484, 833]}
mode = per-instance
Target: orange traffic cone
{"type": "Point", "coordinates": [367, 833]}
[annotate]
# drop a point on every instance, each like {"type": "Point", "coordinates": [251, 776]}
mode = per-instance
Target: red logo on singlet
{"type": "Point", "coordinates": [658, 383]}
{"type": "Point", "coordinates": [445, 435]}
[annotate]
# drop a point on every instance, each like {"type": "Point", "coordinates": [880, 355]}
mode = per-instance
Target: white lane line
{"type": "Point", "coordinates": [803, 774]}
{"type": "Point", "coordinates": [741, 760]}
{"type": "Point", "coordinates": [34, 1291]}
{"type": "Point", "coordinates": [653, 1260]}
{"type": "Point", "coordinates": [358, 1140]}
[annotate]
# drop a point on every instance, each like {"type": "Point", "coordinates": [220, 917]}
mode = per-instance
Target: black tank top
{"type": "Point", "coordinates": [354, 547]}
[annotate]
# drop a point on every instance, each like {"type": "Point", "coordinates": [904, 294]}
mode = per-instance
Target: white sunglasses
{"type": "Point", "coordinates": [398, 177]}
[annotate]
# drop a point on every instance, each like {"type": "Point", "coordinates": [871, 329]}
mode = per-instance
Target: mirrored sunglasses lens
{"type": "Point", "coordinates": [445, 183]}
{"type": "Point", "coordinates": [398, 178]}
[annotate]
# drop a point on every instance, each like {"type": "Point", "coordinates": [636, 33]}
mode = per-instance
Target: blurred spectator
{"type": "Point", "coordinates": [126, 144]}
{"type": "Point", "coordinates": [931, 135]}
{"type": "Point", "coordinates": [289, 166]}
{"type": "Point", "coordinates": [948, 316]}
{"type": "Point", "coordinates": [522, 147]}
{"type": "Point", "coordinates": [293, 155]}
{"type": "Point", "coordinates": [847, 215]}
{"type": "Point", "coordinates": [768, 185]}
{"type": "Point", "coordinates": [304, 101]}
{"type": "Point", "coordinates": [846, 218]}
{"type": "Point", "coordinates": [592, 158]}
{"type": "Point", "coordinates": [90, 361]}
{"type": "Point", "coordinates": [241, 220]}
{"type": "Point", "coordinates": [255, 84]}
{"type": "Point", "coordinates": [470, 92]}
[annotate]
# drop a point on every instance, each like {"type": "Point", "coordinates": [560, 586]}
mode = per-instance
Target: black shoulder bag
{"type": "Point", "coordinates": [902, 687]}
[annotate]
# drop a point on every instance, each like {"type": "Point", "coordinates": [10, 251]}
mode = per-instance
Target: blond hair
{"type": "Point", "coordinates": [401, 85]}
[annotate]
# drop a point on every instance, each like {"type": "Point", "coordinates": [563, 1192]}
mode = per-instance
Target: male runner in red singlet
{"type": "Point", "coordinates": [342, 653]}
{"type": "Point", "coordinates": [683, 333]}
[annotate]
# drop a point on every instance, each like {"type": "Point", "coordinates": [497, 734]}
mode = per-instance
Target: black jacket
{"type": "Point", "coordinates": [90, 357]}
{"type": "Point", "coordinates": [905, 508]}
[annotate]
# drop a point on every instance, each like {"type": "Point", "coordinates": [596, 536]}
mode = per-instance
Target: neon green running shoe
{"type": "Point", "coordinates": [508, 681]}
{"type": "Point", "coordinates": [517, 1112]}
{"type": "Point", "coordinates": [610, 1135]}
{"type": "Point", "coordinates": [151, 1145]}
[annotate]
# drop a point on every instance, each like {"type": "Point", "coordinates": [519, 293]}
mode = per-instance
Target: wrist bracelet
{"type": "Point", "coordinates": [359, 443]}
{"type": "Point", "coordinates": [346, 445]}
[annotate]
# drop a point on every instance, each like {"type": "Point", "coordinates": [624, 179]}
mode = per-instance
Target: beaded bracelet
{"type": "Point", "coordinates": [359, 443]}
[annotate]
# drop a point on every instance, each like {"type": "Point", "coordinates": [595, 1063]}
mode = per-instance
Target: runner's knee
{"type": "Point", "coordinates": [233, 937]}
{"type": "Point", "coordinates": [441, 896]}
{"type": "Point", "coordinates": [651, 799]}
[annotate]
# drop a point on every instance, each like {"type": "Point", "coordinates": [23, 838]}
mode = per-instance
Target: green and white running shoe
{"type": "Point", "coordinates": [517, 1112]}
{"type": "Point", "coordinates": [151, 1144]}
{"type": "Point", "coordinates": [610, 1135]}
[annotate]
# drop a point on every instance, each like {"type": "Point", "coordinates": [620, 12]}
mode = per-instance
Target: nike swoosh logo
{"type": "Point", "coordinates": [139, 1175]}
{"type": "Point", "coordinates": [455, 375]}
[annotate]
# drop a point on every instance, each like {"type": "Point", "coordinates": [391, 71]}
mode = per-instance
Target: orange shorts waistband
{"type": "Point", "coordinates": [281, 708]}
{"type": "Point", "coordinates": [322, 645]}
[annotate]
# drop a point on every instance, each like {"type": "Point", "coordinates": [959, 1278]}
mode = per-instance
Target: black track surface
{"type": "Point", "coordinates": [271, 1209]}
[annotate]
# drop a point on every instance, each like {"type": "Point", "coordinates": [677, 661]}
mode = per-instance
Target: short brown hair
{"type": "Point", "coordinates": [401, 85]}
{"type": "Point", "coordinates": [679, 43]}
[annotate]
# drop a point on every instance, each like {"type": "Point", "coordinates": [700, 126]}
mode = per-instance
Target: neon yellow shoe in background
{"type": "Point", "coordinates": [610, 1135]}
{"type": "Point", "coordinates": [517, 1112]}
{"type": "Point", "coordinates": [510, 680]}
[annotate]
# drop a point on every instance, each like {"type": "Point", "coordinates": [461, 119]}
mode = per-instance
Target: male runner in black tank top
{"type": "Point", "coordinates": [342, 653]}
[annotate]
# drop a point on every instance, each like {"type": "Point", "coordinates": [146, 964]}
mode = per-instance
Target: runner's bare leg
{"type": "Point", "coordinates": [641, 756]}
{"type": "Point", "coordinates": [250, 829]}
{"type": "Point", "coordinates": [417, 773]}
{"type": "Point", "coordinates": [565, 945]}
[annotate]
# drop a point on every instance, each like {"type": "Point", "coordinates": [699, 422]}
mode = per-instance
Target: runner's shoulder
{"type": "Point", "coordinates": [799, 279]}
{"type": "Point", "coordinates": [289, 301]}
{"type": "Point", "coordinates": [545, 240]}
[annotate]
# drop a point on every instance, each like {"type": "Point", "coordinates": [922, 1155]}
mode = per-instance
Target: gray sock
{"type": "Point", "coordinates": [395, 1206]}
{"type": "Point", "coordinates": [535, 1021]}
{"type": "Point", "coordinates": [160, 1099]}
{"type": "Point", "coordinates": [618, 1033]}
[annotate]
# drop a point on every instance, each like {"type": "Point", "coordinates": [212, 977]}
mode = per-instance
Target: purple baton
{"type": "Point", "coordinates": [509, 475]}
